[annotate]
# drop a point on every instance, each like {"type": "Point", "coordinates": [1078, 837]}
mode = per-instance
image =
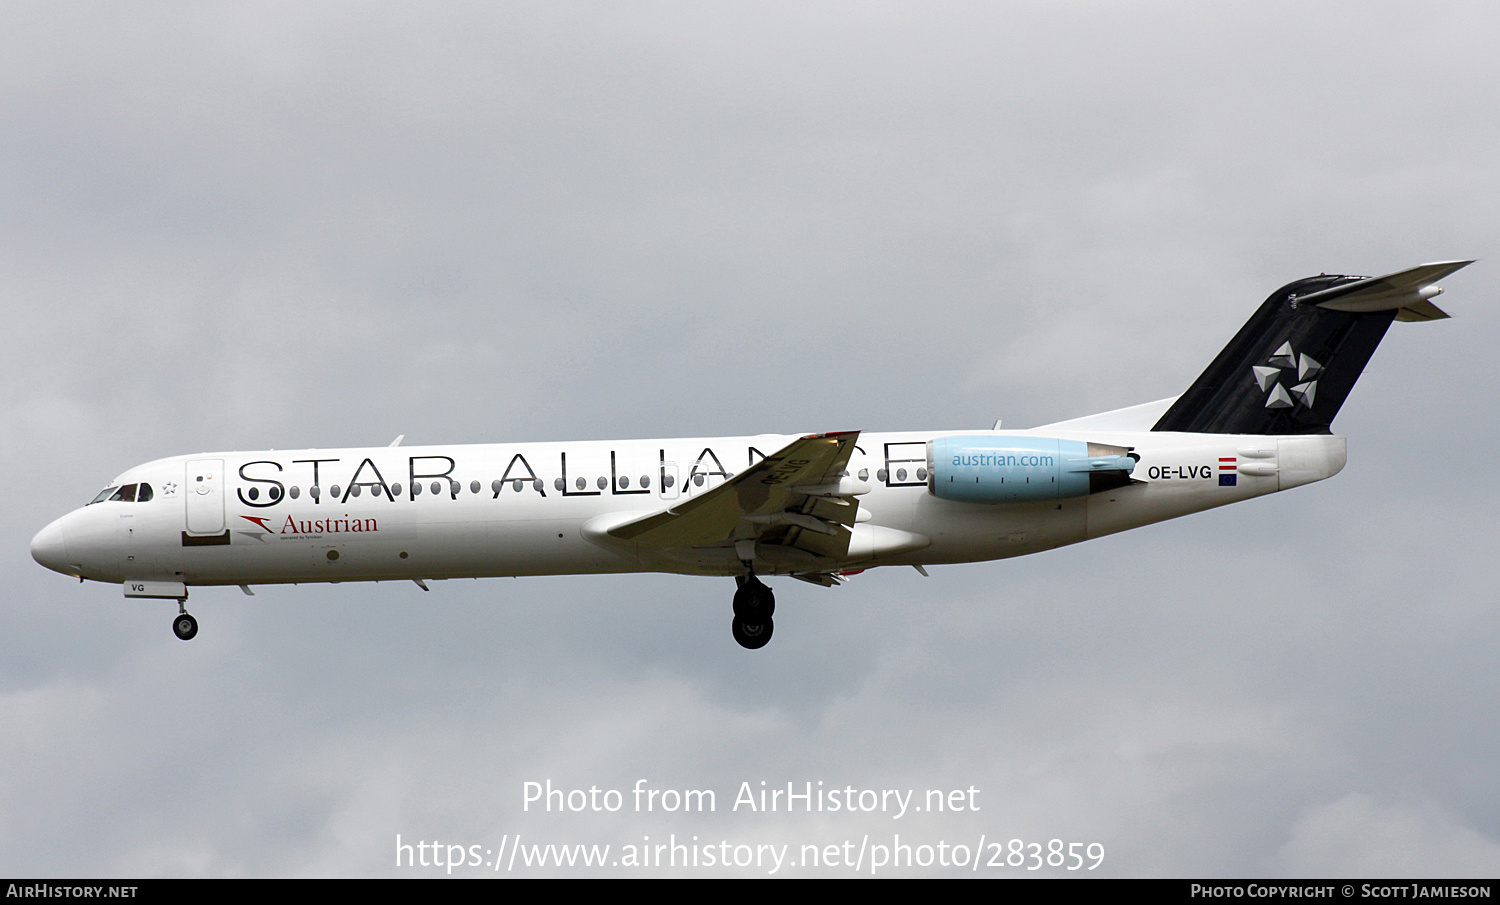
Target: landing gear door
{"type": "Point", "coordinates": [204, 492]}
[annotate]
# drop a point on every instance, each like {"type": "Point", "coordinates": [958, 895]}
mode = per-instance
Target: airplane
{"type": "Point", "coordinates": [817, 507]}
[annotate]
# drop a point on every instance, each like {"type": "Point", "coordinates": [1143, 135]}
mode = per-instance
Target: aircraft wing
{"type": "Point", "coordinates": [795, 507]}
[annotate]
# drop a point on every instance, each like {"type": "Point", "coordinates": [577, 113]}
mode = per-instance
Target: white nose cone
{"type": "Point", "coordinates": [50, 548]}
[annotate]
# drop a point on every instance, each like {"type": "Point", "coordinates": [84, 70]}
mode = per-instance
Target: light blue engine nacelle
{"type": "Point", "coordinates": [980, 469]}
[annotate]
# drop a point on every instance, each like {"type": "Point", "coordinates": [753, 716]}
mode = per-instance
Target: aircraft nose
{"type": "Point", "coordinates": [50, 548]}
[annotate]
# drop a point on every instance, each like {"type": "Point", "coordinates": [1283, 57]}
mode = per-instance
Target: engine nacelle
{"type": "Point", "coordinates": [983, 469]}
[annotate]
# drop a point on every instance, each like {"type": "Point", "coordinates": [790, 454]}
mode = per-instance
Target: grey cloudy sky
{"type": "Point", "coordinates": [246, 226]}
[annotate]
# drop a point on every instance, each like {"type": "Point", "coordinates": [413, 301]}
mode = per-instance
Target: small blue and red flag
{"type": "Point", "coordinates": [1228, 471]}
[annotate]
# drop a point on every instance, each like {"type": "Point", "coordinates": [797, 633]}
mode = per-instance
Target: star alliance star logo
{"type": "Point", "coordinates": [1268, 378]}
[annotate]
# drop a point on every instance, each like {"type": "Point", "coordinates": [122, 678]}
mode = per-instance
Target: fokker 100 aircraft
{"type": "Point", "coordinates": [817, 507]}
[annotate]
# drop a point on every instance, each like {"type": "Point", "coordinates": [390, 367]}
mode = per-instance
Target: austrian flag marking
{"type": "Point", "coordinates": [1228, 471]}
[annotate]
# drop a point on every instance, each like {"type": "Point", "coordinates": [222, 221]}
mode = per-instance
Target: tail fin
{"type": "Point", "coordinates": [1294, 362]}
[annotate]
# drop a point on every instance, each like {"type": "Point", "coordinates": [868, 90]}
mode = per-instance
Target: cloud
{"type": "Point", "coordinates": [1360, 836]}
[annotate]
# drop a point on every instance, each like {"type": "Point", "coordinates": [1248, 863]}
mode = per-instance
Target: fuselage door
{"type": "Point", "coordinates": [706, 474]}
{"type": "Point", "coordinates": [204, 487]}
{"type": "Point", "coordinates": [667, 481]}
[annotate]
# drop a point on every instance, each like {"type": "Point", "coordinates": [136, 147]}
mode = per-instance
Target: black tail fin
{"type": "Point", "coordinates": [1292, 365]}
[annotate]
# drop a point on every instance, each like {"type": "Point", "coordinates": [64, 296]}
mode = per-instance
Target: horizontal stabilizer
{"type": "Point", "coordinates": [1407, 292]}
{"type": "Point", "coordinates": [1420, 311]}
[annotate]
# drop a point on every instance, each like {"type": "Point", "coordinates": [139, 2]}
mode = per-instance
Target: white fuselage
{"type": "Point", "coordinates": [527, 509]}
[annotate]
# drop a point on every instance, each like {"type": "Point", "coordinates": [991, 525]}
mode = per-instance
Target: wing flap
{"type": "Point", "coordinates": [782, 501]}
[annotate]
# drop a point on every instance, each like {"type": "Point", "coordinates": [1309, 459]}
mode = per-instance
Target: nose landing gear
{"type": "Point", "coordinates": [753, 606]}
{"type": "Point", "coordinates": [184, 626]}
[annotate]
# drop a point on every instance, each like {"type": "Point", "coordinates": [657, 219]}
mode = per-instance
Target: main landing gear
{"type": "Point", "coordinates": [753, 605]}
{"type": "Point", "coordinates": [184, 626]}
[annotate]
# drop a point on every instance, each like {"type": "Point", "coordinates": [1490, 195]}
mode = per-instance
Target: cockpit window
{"type": "Point", "coordinates": [128, 493]}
